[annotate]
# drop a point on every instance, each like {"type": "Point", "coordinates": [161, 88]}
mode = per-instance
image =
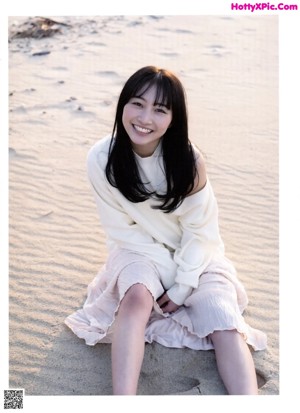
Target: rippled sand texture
{"type": "Point", "coordinates": [61, 102]}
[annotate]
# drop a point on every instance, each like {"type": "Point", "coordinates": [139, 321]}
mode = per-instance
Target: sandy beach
{"type": "Point", "coordinates": [63, 89]}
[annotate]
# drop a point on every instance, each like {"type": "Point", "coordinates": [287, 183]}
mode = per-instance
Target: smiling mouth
{"type": "Point", "coordinates": [142, 130]}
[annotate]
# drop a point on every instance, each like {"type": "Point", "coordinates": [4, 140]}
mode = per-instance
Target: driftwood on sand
{"type": "Point", "coordinates": [39, 28]}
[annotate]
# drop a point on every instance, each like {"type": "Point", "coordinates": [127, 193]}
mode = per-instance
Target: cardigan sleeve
{"type": "Point", "coordinates": [198, 218]}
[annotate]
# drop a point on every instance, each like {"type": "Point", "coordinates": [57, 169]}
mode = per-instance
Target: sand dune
{"type": "Point", "coordinates": [63, 92]}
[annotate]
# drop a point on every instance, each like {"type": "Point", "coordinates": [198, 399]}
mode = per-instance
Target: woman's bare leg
{"type": "Point", "coordinates": [128, 343]}
{"type": "Point", "coordinates": [235, 362]}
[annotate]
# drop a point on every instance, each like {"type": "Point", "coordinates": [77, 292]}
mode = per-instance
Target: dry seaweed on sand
{"type": "Point", "coordinates": [39, 28]}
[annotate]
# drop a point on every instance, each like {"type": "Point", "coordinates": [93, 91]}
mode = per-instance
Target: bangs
{"type": "Point", "coordinates": [163, 87]}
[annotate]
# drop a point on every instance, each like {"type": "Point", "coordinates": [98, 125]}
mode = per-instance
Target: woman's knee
{"type": "Point", "coordinates": [137, 298]}
{"type": "Point", "coordinates": [223, 335]}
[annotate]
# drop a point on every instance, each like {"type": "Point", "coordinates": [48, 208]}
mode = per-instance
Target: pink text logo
{"type": "Point", "coordinates": [263, 6]}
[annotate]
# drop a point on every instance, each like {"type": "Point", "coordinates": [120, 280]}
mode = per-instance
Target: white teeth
{"type": "Point", "coordinates": [143, 130]}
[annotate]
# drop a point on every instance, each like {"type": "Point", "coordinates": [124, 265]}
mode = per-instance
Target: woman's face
{"type": "Point", "coordinates": [145, 122]}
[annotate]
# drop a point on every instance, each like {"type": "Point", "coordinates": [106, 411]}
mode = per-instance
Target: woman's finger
{"type": "Point", "coordinates": [164, 299]}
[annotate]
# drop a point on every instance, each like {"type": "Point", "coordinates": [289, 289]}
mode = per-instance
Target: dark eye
{"type": "Point", "coordinates": [160, 110]}
{"type": "Point", "coordinates": [136, 103]}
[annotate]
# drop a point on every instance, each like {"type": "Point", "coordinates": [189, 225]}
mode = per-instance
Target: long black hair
{"type": "Point", "coordinates": [178, 155]}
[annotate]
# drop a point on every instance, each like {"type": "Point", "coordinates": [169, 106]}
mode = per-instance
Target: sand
{"type": "Point", "coordinates": [60, 102]}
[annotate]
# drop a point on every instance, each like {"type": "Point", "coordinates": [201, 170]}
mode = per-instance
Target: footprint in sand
{"type": "Point", "coordinates": [106, 103]}
{"type": "Point", "coordinates": [216, 50]}
{"type": "Point", "coordinates": [108, 73]}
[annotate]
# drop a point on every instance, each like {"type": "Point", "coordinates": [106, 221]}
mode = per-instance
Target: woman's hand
{"type": "Point", "coordinates": [167, 305]}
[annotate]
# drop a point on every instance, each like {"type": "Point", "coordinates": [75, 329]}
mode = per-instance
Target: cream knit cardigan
{"type": "Point", "coordinates": [182, 244]}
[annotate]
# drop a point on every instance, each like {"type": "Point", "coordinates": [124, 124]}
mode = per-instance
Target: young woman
{"type": "Point", "coordinates": [166, 278]}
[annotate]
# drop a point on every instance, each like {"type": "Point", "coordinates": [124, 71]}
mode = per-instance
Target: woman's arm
{"type": "Point", "coordinates": [198, 218]}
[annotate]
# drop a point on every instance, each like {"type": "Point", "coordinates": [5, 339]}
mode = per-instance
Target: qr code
{"type": "Point", "coordinates": [13, 399]}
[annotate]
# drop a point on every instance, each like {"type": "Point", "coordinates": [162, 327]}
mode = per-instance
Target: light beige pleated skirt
{"type": "Point", "coordinates": [217, 304]}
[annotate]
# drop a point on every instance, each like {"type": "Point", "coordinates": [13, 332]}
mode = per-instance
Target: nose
{"type": "Point", "coordinates": [145, 116]}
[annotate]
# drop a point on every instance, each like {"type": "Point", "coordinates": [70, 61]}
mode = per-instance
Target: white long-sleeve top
{"type": "Point", "coordinates": [181, 244]}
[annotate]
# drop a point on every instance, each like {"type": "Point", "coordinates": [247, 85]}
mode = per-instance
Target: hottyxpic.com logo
{"type": "Point", "coordinates": [252, 7]}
